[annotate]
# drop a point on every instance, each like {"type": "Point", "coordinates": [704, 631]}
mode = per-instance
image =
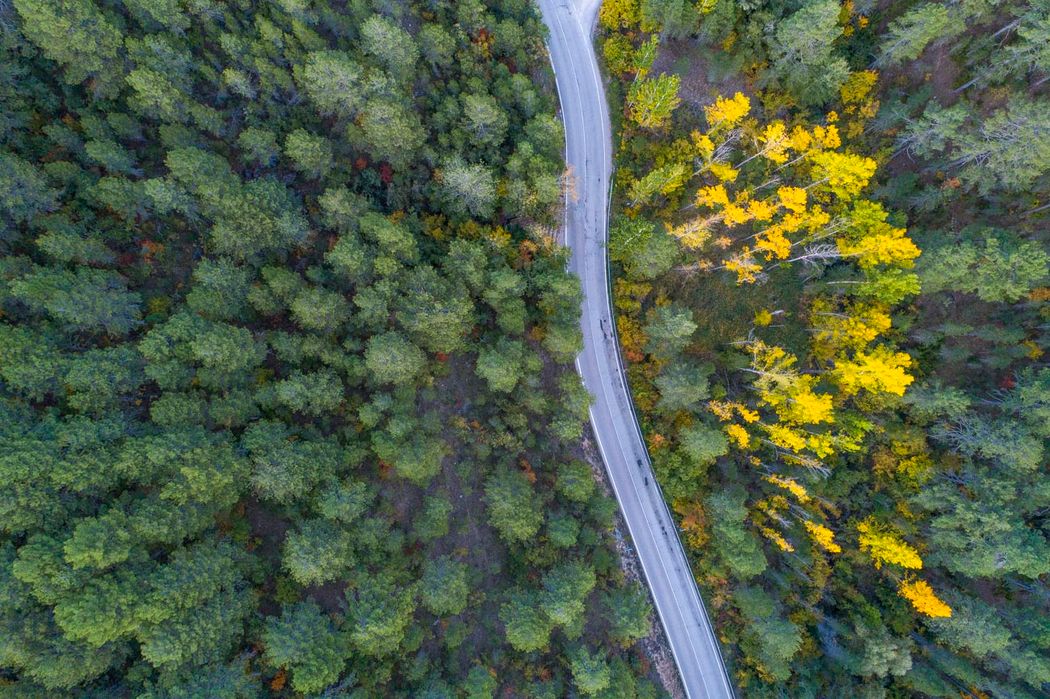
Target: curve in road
{"type": "Point", "coordinates": [588, 152]}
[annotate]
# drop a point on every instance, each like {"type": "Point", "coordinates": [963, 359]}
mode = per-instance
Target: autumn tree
{"type": "Point", "coordinates": [884, 545]}
{"type": "Point", "coordinates": [868, 398]}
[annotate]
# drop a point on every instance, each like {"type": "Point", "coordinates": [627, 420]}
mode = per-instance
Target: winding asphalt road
{"type": "Point", "coordinates": [589, 155]}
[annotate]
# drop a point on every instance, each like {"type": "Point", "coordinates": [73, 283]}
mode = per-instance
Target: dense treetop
{"type": "Point", "coordinates": [284, 400]}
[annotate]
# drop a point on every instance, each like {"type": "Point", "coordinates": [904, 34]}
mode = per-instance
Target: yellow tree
{"type": "Point", "coordinates": [761, 195]}
{"type": "Point", "coordinates": [923, 598]}
{"type": "Point", "coordinates": [840, 324]}
{"type": "Point", "coordinates": [620, 14]}
{"type": "Point", "coordinates": [885, 545]}
{"type": "Point", "coordinates": [881, 370]}
{"type": "Point", "coordinates": [858, 98]}
{"type": "Point", "coordinates": [772, 194]}
{"type": "Point", "coordinates": [823, 537]}
{"type": "Point", "coordinates": [795, 415]}
{"type": "Point", "coordinates": [775, 194]}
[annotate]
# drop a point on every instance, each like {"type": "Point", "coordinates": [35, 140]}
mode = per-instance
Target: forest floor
{"type": "Point", "coordinates": [702, 80]}
{"type": "Point", "coordinates": [469, 538]}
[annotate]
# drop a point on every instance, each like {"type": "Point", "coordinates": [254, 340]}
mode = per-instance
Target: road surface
{"type": "Point", "coordinates": [589, 155]}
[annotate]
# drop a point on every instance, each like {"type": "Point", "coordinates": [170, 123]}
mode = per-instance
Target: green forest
{"type": "Point", "coordinates": [286, 398]}
{"type": "Point", "coordinates": [830, 244]}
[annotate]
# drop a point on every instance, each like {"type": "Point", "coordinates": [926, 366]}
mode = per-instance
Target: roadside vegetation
{"type": "Point", "coordinates": [286, 398]}
{"type": "Point", "coordinates": [830, 242]}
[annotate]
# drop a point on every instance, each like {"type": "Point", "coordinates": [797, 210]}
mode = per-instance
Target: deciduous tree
{"type": "Point", "coordinates": [652, 100]}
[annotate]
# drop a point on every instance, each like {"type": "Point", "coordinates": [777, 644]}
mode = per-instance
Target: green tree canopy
{"type": "Point", "coordinates": [514, 509]}
{"type": "Point", "coordinates": [306, 642]}
{"type": "Point", "coordinates": [804, 61]}
{"type": "Point", "coordinates": [444, 587]}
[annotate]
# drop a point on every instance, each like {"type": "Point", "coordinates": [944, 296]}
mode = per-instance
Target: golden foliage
{"type": "Point", "coordinates": [818, 180]}
{"type": "Point", "coordinates": [745, 267]}
{"type": "Point", "coordinates": [785, 437]}
{"type": "Point", "coordinates": [858, 86]}
{"type": "Point", "coordinates": [620, 14]}
{"type": "Point", "coordinates": [705, 147]}
{"type": "Point", "coordinates": [778, 193]}
{"type": "Point", "coordinates": [777, 539]}
{"type": "Point", "coordinates": [694, 522]}
{"type": "Point", "coordinates": [735, 214]}
{"type": "Point", "coordinates": [800, 139]}
{"type": "Point", "coordinates": [906, 458]}
{"type": "Point", "coordinates": [692, 234]}
{"type": "Point", "coordinates": [739, 435]}
{"type": "Point", "coordinates": [801, 405]}
{"type": "Point", "coordinates": [775, 142]}
{"type": "Point", "coordinates": [724, 172]}
{"type": "Point", "coordinates": [724, 411]}
{"type": "Point", "coordinates": [726, 113]}
{"type": "Point", "coordinates": [845, 174]}
{"type": "Point", "coordinates": [761, 210]}
{"type": "Point", "coordinates": [748, 416]}
{"type": "Point", "coordinates": [807, 407]}
{"type": "Point", "coordinates": [880, 371]}
{"type": "Point", "coordinates": [791, 485]}
{"type": "Point", "coordinates": [822, 537]}
{"type": "Point", "coordinates": [792, 198]}
{"type": "Point", "coordinates": [886, 546]}
{"type": "Point", "coordinates": [827, 136]}
{"type": "Point", "coordinates": [713, 196]}
{"type": "Point", "coordinates": [888, 246]}
{"type": "Point", "coordinates": [858, 99]}
{"type": "Point", "coordinates": [773, 244]}
{"type": "Point", "coordinates": [854, 326]}
{"type": "Point", "coordinates": [923, 598]}
{"type": "Point", "coordinates": [632, 338]}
